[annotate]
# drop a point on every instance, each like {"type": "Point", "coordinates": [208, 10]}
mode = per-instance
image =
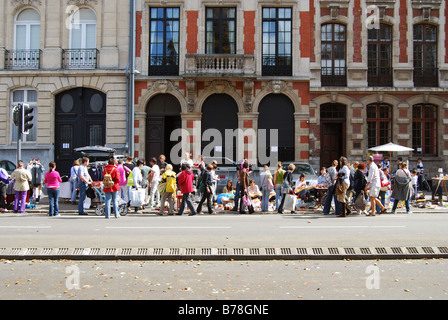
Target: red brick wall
{"type": "Point", "coordinates": [249, 32]}
{"type": "Point", "coordinates": [357, 32]}
{"type": "Point", "coordinates": [192, 31]}
{"type": "Point", "coordinates": [312, 30]}
{"type": "Point", "coordinates": [403, 30]}
{"type": "Point", "coordinates": [305, 35]}
{"type": "Point", "coordinates": [138, 34]}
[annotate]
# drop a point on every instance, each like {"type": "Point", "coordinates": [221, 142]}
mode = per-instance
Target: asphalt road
{"type": "Point", "coordinates": [223, 280]}
{"type": "Point", "coordinates": [229, 230]}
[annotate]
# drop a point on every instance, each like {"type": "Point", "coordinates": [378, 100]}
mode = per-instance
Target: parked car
{"type": "Point", "coordinates": [96, 154]}
{"type": "Point", "coordinates": [8, 166]}
{"type": "Point", "coordinates": [303, 167]}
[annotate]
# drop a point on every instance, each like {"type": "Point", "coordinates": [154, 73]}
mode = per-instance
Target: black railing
{"type": "Point", "coordinates": [80, 58]}
{"type": "Point", "coordinates": [164, 65]}
{"type": "Point", "coordinates": [334, 77]}
{"type": "Point", "coordinates": [428, 77]}
{"type": "Point", "coordinates": [22, 59]}
{"type": "Point", "coordinates": [380, 77]}
{"type": "Point", "coordinates": [277, 65]}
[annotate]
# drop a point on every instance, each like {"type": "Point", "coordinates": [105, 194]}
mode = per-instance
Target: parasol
{"type": "Point", "coordinates": [391, 147]}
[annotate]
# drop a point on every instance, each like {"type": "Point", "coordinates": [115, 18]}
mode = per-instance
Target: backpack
{"type": "Point", "coordinates": [108, 182]}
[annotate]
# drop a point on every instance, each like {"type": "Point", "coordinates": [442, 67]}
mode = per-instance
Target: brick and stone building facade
{"type": "Point", "coordinates": [68, 60]}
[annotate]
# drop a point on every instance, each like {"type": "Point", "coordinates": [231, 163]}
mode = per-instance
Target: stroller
{"type": "Point", "coordinates": [100, 209]}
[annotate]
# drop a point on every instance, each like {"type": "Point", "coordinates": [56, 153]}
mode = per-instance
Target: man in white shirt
{"type": "Point", "coordinates": [374, 184]}
{"type": "Point", "coordinates": [187, 160]}
{"type": "Point", "coordinates": [154, 179]}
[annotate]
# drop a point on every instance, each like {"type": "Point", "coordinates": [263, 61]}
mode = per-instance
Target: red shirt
{"type": "Point", "coordinates": [186, 181]}
{"type": "Point", "coordinates": [113, 171]}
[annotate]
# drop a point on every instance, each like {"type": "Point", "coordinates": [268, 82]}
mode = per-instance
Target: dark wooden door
{"type": "Point", "coordinates": [80, 121]}
{"type": "Point", "coordinates": [331, 142]}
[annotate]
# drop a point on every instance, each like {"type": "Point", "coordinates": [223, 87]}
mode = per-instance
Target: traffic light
{"type": "Point", "coordinates": [16, 115]}
{"type": "Point", "coordinates": [27, 118]}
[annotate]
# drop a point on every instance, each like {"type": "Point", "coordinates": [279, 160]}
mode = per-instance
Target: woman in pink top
{"type": "Point", "coordinates": [123, 172]}
{"type": "Point", "coordinates": [52, 180]}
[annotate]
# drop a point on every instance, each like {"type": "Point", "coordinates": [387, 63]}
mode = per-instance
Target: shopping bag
{"type": "Point", "coordinates": [290, 202]}
{"type": "Point", "coordinates": [360, 202]}
{"type": "Point", "coordinates": [87, 203]}
{"type": "Point", "coordinates": [137, 197]}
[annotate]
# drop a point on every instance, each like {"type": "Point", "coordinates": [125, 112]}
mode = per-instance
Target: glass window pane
{"type": "Point", "coordinates": [21, 37]}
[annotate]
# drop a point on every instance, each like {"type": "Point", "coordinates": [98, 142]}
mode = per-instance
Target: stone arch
{"type": "Point", "coordinates": [219, 87]}
{"type": "Point", "coordinates": [161, 87]}
{"type": "Point", "coordinates": [278, 87]}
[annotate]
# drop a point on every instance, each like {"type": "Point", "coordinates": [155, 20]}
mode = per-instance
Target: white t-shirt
{"type": "Point", "coordinates": [155, 168]}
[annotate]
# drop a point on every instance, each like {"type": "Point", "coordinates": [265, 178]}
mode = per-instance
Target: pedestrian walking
{"type": "Point", "coordinates": [73, 181]}
{"type": "Point", "coordinates": [287, 187]}
{"type": "Point", "coordinates": [359, 184]}
{"type": "Point", "coordinates": [244, 184]}
{"type": "Point", "coordinates": [278, 181]}
{"type": "Point", "coordinates": [111, 187]}
{"type": "Point", "coordinates": [207, 181]}
{"type": "Point", "coordinates": [402, 188]}
{"type": "Point", "coordinates": [374, 184]}
{"type": "Point", "coordinates": [123, 172]}
{"type": "Point", "coordinates": [154, 180]}
{"type": "Point", "coordinates": [342, 185]}
{"type": "Point", "coordinates": [168, 181]}
{"type": "Point", "coordinates": [4, 181]}
{"type": "Point", "coordinates": [52, 180]}
{"type": "Point", "coordinates": [137, 178]}
{"type": "Point", "coordinates": [267, 186]}
{"type": "Point", "coordinates": [185, 180]}
{"type": "Point", "coordinates": [37, 177]}
{"type": "Point", "coordinates": [22, 179]}
{"type": "Point", "coordinates": [84, 180]}
{"type": "Point", "coordinates": [332, 176]}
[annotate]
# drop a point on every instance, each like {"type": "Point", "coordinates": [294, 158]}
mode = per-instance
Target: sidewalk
{"type": "Point", "coordinates": [65, 207]}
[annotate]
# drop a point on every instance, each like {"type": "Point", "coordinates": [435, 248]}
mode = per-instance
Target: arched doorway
{"type": "Point", "coordinates": [333, 136]}
{"type": "Point", "coordinates": [220, 112]}
{"type": "Point", "coordinates": [276, 111]}
{"type": "Point", "coordinates": [162, 118]}
{"type": "Point", "coordinates": [80, 121]}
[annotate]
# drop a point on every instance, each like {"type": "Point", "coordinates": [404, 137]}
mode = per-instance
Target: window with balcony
{"type": "Point", "coordinates": [26, 53]}
{"type": "Point", "coordinates": [277, 42]}
{"type": "Point", "coordinates": [424, 129]}
{"type": "Point", "coordinates": [82, 52]}
{"type": "Point", "coordinates": [380, 56]}
{"type": "Point", "coordinates": [24, 96]}
{"type": "Point", "coordinates": [379, 124]}
{"type": "Point", "coordinates": [333, 55]}
{"type": "Point", "coordinates": [164, 41]}
{"type": "Point", "coordinates": [220, 31]}
{"type": "Point", "coordinates": [425, 56]}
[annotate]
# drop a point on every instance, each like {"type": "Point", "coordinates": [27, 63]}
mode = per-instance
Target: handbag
{"type": "Point", "coordinates": [361, 202]}
{"type": "Point", "coordinates": [270, 185]}
{"type": "Point", "coordinates": [285, 184]}
{"type": "Point", "coordinates": [137, 197]}
{"type": "Point", "coordinates": [161, 188]}
{"type": "Point", "coordinates": [290, 202]}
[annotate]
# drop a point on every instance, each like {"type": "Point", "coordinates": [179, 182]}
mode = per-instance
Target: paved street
{"type": "Point", "coordinates": [224, 280]}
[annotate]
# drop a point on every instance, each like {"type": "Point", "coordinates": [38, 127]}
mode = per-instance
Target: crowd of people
{"type": "Point", "coordinates": [158, 184]}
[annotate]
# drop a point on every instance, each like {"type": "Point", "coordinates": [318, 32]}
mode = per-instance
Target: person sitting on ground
{"type": "Point", "coordinates": [300, 189]}
{"type": "Point", "coordinates": [253, 190]}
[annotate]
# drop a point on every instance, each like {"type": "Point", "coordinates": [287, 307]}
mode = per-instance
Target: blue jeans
{"type": "Point", "coordinates": [265, 199]}
{"type": "Point", "coordinates": [406, 202]}
{"type": "Point", "coordinates": [327, 204]}
{"type": "Point", "coordinates": [111, 196]}
{"type": "Point", "coordinates": [237, 197]}
{"type": "Point", "coordinates": [186, 200]}
{"type": "Point", "coordinates": [73, 187]}
{"type": "Point", "coordinates": [82, 197]}
{"type": "Point", "coordinates": [278, 195]}
{"type": "Point", "coordinates": [53, 198]}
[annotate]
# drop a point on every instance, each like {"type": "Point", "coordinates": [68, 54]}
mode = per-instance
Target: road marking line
{"type": "Point", "coordinates": [168, 227]}
{"type": "Point", "coordinates": [25, 227]}
{"type": "Point", "coordinates": [339, 227]}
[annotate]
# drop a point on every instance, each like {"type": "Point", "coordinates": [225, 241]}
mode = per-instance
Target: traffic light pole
{"type": "Point", "coordinates": [19, 134]}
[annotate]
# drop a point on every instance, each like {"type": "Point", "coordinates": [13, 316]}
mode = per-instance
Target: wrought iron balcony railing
{"type": "Point", "coordinates": [22, 59]}
{"type": "Point", "coordinates": [80, 58]}
{"type": "Point", "coordinates": [428, 77]}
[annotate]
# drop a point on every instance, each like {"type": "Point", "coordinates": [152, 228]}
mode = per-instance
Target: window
{"type": "Point", "coordinates": [164, 41]}
{"type": "Point", "coordinates": [380, 56]}
{"type": "Point", "coordinates": [333, 53]}
{"type": "Point", "coordinates": [220, 30]}
{"type": "Point", "coordinates": [27, 96]}
{"type": "Point", "coordinates": [82, 53]}
{"type": "Point", "coordinates": [26, 53]}
{"type": "Point", "coordinates": [379, 124]}
{"type": "Point", "coordinates": [277, 42]}
{"type": "Point", "coordinates": [425, 56]}
{"type": "Point", "coordinates": [424, 129]}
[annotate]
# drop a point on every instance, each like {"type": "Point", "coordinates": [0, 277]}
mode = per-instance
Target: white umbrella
{"type": "Point", "coordinates": [391, 147]}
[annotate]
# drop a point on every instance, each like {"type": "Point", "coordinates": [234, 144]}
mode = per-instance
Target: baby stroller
{"type": "Point", "coordinates": [101, 207]}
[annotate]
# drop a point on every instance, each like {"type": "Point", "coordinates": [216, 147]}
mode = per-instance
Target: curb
{"type": "Point", "coordinates": [221, 254]}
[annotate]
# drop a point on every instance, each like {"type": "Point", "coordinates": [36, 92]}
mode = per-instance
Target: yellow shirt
{"type": "Point", "coordinates": [170, 178]}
